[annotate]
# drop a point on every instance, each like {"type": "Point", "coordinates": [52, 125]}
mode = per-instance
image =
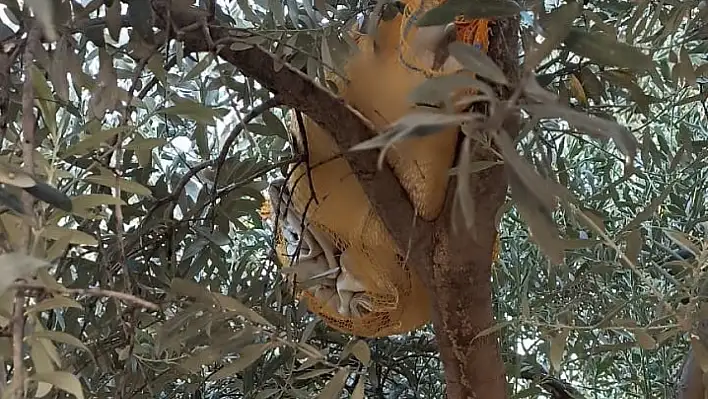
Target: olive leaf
{"type": "Point", "coordinates": [63, 380]}
{"type": "Point", "coordinates": [592, 125]}
{"type": "Point", "coordinates": [438, 90]}
{"type": "Point", "coordinates": [45, 15]}
{"type": "Point", "coordinates": [534, 198]}
{"type": "Point", "coordinates": [604, 49]}
{"type": "Point", "coordinates": [476, 61]}
{"type": "Point", "coordinates": [17, 177]}
{"type": "Point", "coordinates": [556, 25]}
{"type": "Point", "coordinates": [414, 124]}
{"type": "Point", "coordinates": [334, 387]}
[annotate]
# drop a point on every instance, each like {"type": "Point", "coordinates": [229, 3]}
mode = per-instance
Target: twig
{"type": "Point", "coordinates": [6, 61]}
{"type": "Point", "coordinates": [28, 128]}
{"type": "Point", "coordinates": [346, 125]}
{"type": "Point", "coordinates": [244, 181]}
{"type": "Point", "coordinates": [28, 142]}
{"type": "Point", "coordinates": [255, 112]}
{"type": "Point", "coordinates": [251, 115]}
{"type": "Point", "coordinates": [306, 153]}
{"type": "Point", "coordinates": [558, 388]}
{"type": "Point", "coordinates": [122, 296]}
{"type": "Point", "coordinates": [623, 256]}
{"type": "Point", "coordinates": [117, 164]}
{"type": "Point", "coordinates": [18, 336]}
{"type": "Point", "coordinates": [119, 229]}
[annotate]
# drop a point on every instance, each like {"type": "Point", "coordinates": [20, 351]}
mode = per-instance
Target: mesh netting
{"type": "Point", "coordinates": [380, 84]}
{"type": "Point", "coordinates": [393, 299]}
{"type": "Point", "coordinates": [394, 295]}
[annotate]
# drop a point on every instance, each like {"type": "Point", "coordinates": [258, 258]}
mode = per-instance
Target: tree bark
{"type": "Point", "coordinates": [460, 283]}
{"type": "Point", "coordinates": [460, 279]}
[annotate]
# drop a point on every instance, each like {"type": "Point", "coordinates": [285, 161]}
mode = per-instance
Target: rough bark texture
{"type": "Point", "coordinates": [460, 279]}
{"type": "Point", "coordinates": [460, 283]}
{"type": "Point", "coordinates": [458, 272]}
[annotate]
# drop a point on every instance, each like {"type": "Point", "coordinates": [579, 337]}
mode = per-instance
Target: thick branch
{"type": "Point", "coordinates": [460, 279]}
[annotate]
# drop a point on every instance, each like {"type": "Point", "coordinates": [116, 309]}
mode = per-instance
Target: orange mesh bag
{"type": "Point", "coordinates": [379, 88]}
{"type": "Point", "coordinates": [392, 299]}
{"type": "Point", "coordinates": [356, 279]}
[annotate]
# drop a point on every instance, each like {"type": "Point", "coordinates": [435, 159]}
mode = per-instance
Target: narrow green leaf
{"type": "Point", "coordinates": [193, 110]}
{"type": "Point", "coordinates": [145, 144]}
{"type": "Point", "coordinates": [362, 352]}
{"type": "Point", "coordinates": [95, 141]}
{"type": "Point", "coordinates": [634, 245]}
{"type": "Point", "coordinates": [14, 265]}
{"type": "Point", "coordinates": [88, 201]}
{"type": "Point", "coordinates": [437, 91]}
{"type": "Point", "coordinates": [476, 61]}
{"type": "Point", "coordinates": [58, 336]}
{"type": "Point", "coordinates": [231, 303]}
{"type": "Point", "coordinates": [125, 185]}
{"type": "Point", "coordinates": [358, 392]}
{"type": "Point", "coordinates": [246, 357]}
{"type": "Point", "coordinates": [491, 330]}
{"type": "Point", "coordinates": [606, 50]}
{"type": "Point", "coordinates": [556, 26]}
{"type": "Point", "coordinates": [645, 340]}
{"type": "Point", "coordinates": [557, 348]}
{"type": "Point", "coordinates": [76, 236]}
{"type": "Point", "coordinates": [54, 302]}
{"type": "Point", "coordinates": [65, 381]}
{"type": "Point", "coordinates": [314, 373]}
{"type": "Point", "coordinates": [45, 98]}
{"type": "Point", "coordinates": [45, 15]}
{"type": "Point", "coordinates": [199, 68]}
{"type": "Point", "coordinates": [334, 387]}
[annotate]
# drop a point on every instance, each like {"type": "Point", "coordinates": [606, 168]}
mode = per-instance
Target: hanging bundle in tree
{"type": "Point", "coordinates": [333, 243]}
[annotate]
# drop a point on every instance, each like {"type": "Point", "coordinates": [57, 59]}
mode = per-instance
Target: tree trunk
{"type": "Point", "coordinates": [460, 277]}
{"type": "Point", "coordinates": [460, 285]}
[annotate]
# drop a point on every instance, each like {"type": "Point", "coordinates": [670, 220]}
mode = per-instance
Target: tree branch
{"type": "Point", "coordinates": [558, 388]}
{"type": "Point", "coordinates": [690, 384]}
{"type": "Point", "coordinates": [252, 114]}
{"type": "Point", "coordinates": [219, 161]}
{"type": "Point", "coordinates": [347, 126]}
{"type": "Point", "coordinates": [98, 292]}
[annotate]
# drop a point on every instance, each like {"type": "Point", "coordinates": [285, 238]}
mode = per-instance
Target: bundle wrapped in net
{"type": "Point", "coordinates": [332, 243]}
